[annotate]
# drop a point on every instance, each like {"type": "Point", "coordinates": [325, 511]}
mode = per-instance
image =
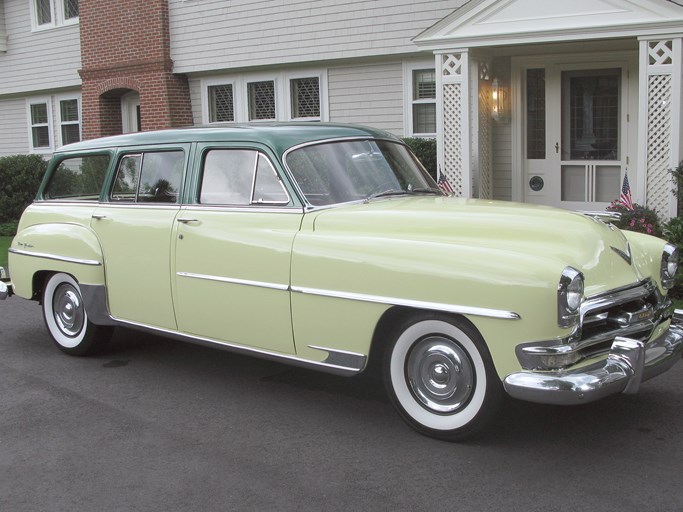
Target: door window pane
{"type": "Point", "coordinates": [590, 114]}
{"type": "Point", "coordinates": [126, 184]}
{"type": "Point", "coordinates": [268, 187]}
{"type": "Point", "coordinates": [228, 177]}
{"type": "Point", "coordinates": [78, 179]}
{"type": "Point", "coordinates": [535, 114]}
{"type": "Point", "coordinates": [161, 175]}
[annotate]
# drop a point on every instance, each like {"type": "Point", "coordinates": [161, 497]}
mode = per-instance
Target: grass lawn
{"type": "Point", "coordinates": [4, 245]}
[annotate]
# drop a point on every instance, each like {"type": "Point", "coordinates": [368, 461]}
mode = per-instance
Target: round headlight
{"type": "Point", "coordinates": [575, 293]}
{"type": "Point", "coordinates": [669, 265]}
{"type": "Point", "coordinates": [569, 298]}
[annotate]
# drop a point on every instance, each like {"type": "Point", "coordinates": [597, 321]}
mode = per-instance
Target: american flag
{"type": "Point", "coordinates": [625, 197]}
{"type": "Point", "coordinates": [444, 185]}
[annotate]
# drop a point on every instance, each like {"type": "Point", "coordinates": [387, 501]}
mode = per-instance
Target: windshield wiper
{"type": "Point", "coordinates": [385, 193]}
{"type": "Point", "coordinates": [428, 190]}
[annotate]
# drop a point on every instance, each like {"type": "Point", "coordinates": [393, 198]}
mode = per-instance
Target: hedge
{"type": "Point", "coordinates": [20, 176]}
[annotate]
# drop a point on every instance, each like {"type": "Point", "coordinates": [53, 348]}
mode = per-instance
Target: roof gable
{"type": "Point", "coordinates": [489, 22]}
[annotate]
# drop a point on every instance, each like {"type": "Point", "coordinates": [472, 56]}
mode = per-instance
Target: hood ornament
{"type": "Point", "coordinates": [625, 255]}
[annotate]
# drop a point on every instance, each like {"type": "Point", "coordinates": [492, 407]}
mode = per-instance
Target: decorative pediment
{"type": "Point", "coordinates": [497, 22]}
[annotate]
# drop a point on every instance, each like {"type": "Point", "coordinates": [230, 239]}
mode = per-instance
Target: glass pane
{"type": "Point", "coordinates": [268, 187]}
{"type": "Point", "coordinates": [126, 183]}
{"type": "Point", "coordinates": [535, 114]}
{"type": "Point", "coordinates": [70, 133]}
{"type": "Point", "coordinates": [70, 9]}
{"type": "Point", "coordinates": [607, 182]}
{"type": "Point", "coordinates": [590, 114]}
{"type": "Point", "coordinates": [69, 110]}
{"type": "Point", "coordinates": [424, 118]}
{"type": "Point", "coordinates": [221, 104]}
{"type": "Point", "coordinates": [161, 175]}
{"type": "Point", "coordinates": [305, 97]}
{"type": "Point", "coordinates": [424, 84]}
{"type": "Point", "coordinates": [39, 113]}
{"type": "Point", "coordinates": [573, 183]}
{"type": "Point", "coordinates": [228, 177]}
{"type": "Point", "coordinates": [43, 12]}
{"type": "Point", "coordinates": [261, 100]}
{"type": "Point", "coordinates": [41, 137]}
{"type": "Point", "coordinates": [78, 179]}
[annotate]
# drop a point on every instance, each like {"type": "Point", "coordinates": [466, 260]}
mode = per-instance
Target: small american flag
{"type": "Point", "coordinates": [625, 196]}
{"type": "Point", "coordinates": [444, 185]}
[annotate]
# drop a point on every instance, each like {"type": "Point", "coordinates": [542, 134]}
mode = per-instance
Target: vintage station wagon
{"type": "Point", "coordinates": [330, 247]}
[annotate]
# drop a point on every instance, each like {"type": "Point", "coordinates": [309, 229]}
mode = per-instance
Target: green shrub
{"type": "Point", "coordinates": [425, 151]}
{"type": "Point", "coordinates": [673, 233]}
{"type": "Point", "coordinates": [20, 176]}
{"type": "Point", "coordinates": [640, 219]}
{"type": "Point", "coordinates": [8, 228]}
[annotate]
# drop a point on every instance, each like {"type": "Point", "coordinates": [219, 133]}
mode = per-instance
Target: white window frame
{"type": "Point", "coordinates": [40, 100]}
{"type": "Point", "coordinates": [283, 107]}
{"type": "Point", "coordinates": [58, 16]}
{"type": "Point", "coordinates": [61, 122]}
{"type": "Point", "coordinates": [408, 68]}
{"type": "Point", "coordinates": [322, 83]}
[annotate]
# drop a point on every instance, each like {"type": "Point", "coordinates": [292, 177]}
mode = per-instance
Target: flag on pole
{"type": "Point", "coordinates": [625, 196]}
{"type": "Point", "coordinates": [444, 185]}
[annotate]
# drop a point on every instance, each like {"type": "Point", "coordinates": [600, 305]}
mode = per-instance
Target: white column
{"type": "Point", "coordinates": [659, 121]}
{"type": "Point", "coordinates": [453, 115]}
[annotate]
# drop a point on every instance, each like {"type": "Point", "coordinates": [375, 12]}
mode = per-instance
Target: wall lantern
{"type": "Point", "coordinates": [500, 101]}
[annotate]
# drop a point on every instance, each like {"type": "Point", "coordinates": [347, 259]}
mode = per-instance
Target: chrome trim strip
{"type": "Point", "coordinates": [252, 208]}
{"type": "Point", "coordinates": [342, 357]}
{"type": "Point", "coordinates": [337, 369]}
{"type": "Point", "coordinates": [67, 259]}
{"type": "Point", "coordinates": [245, 282]}
{"type": "Point", "coordinates": [602, 215]}
{"type": "Point", "coordinates": [435, 306]}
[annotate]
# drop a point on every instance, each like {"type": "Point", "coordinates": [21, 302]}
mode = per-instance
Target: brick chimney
{"type": "Point", "coordinates": [125, 48]}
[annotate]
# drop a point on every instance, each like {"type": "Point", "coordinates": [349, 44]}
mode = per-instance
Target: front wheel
{"type": "Point", "coordinates": [440, 377]}
{"type": "Point", "coordinates": [67, 320]}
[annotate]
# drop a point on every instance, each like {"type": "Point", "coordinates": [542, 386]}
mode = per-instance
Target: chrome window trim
{"type": "Point", "coordinates": [244, 209]}
{"type": "Point", "coordinates": [55, 257]}
{"type": "Point", "coordinates": [244, 282]}
{"type": "Point", "coordinates": [59, 202]}
{"type": "Point", "coordinates": [435, 306]}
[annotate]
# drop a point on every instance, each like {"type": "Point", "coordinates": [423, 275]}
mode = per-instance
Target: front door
{"type": "Point", "coordinates": [577, 132]}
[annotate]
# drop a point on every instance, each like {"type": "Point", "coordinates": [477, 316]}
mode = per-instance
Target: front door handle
{"type": "Point", "coordinates": [186, 221]}
{"type": "Point", "coordinates": [98, 216]}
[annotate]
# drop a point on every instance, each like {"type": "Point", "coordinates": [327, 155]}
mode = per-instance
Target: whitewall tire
{"type": "Point", "coordinates": [67, 320]}
{"type": "Point", "coordinates": [440, 377]}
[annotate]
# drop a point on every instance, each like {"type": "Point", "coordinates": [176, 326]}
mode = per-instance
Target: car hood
{"type": "Point", "coordinates": [503, 229]}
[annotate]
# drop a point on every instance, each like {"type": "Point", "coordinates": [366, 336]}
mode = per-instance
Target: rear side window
{"type": "Point", "coordinates": [78, 179]}
{"type": "Point", "coordinates": [149, 177]}
{"type": "Point", "coordinates": [240, 177]}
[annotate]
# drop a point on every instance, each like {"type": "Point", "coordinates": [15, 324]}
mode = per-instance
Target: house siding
{"type": "Point", "coordinates": [502, 161]}
{"type": "Point", "coordinates": [370, 94]}
{"type": "Point", "coordinates": [214, 34]}
{"type": "Point", "coordinates": [13, 127]}
{"type": "Point", "coordinates": [37, 60]}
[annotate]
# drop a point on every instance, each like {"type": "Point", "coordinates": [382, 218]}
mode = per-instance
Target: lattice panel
{"type": "Point", "coordinates": [453, 136]}
{"type": "Point", "coordinates": [660, 53]}
{"type": "Point", "coordinates": [659, 142]}
{"type": "Point", "coordinates": [451, 65]}
{"type": "Point", "coordinates": [484, 150]}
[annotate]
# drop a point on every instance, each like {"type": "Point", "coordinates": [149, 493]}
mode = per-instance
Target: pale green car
{"type": "Point", "coordinates": [330, 247]}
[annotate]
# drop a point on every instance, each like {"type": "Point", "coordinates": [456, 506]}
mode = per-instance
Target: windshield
{"type": "Point", "coordinates": [345, 171]}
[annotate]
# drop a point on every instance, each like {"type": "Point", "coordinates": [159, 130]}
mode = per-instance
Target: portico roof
{"type": "Point", "coordinates": [508, 22]}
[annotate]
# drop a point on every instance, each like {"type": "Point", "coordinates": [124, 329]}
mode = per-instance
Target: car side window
{"type": "Point", "coordinates": [149, 177]}
{"type": "Point", "coordinates": [240, 177]}
{"type": "Point", "coordinates": [78, 179]}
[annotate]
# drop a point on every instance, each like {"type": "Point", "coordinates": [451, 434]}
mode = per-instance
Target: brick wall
{"type": "Point", "coordinates": [125, 46]}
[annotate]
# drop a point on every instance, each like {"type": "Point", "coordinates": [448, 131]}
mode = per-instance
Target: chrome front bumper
{"type": "Point", "coordinates": [629, 363]}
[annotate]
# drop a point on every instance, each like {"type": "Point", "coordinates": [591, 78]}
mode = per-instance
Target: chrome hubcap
{"type": "Point", "coordinates": [68, 311]}
{"type": "Point", "coordinates": [440, 374]}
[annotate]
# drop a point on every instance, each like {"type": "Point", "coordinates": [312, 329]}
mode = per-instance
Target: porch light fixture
{"type": "Point", "coordinates": [500, 102]}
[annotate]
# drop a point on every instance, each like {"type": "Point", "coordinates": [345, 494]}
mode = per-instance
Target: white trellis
{"type": "Point", "coordinates": [660, 121]}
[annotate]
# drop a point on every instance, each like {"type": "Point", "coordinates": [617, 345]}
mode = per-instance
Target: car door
{"type": "Point", "coordinates": [134, 227]}
{"type": "Point", "coordinates": [233, 251]}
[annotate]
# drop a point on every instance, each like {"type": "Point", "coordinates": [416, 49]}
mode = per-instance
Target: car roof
{"type": "Point", "coordinates": [278, 136]}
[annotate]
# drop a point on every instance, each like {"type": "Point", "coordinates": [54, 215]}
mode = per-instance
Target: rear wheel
{"type": "Point", "coordinates": [67, 320]}
{"type": "Point", "coordinates": [440, 377]}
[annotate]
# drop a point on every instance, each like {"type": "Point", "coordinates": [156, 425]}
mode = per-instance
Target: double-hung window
{"type": "Point", "coordinates": [39, 113]}
{"type": "Point", "coordinates": [420, 83]}
{"type": "Point", "coordinates": [53, 13]}
{"type": "Point", "coordinates": [69, 120]}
